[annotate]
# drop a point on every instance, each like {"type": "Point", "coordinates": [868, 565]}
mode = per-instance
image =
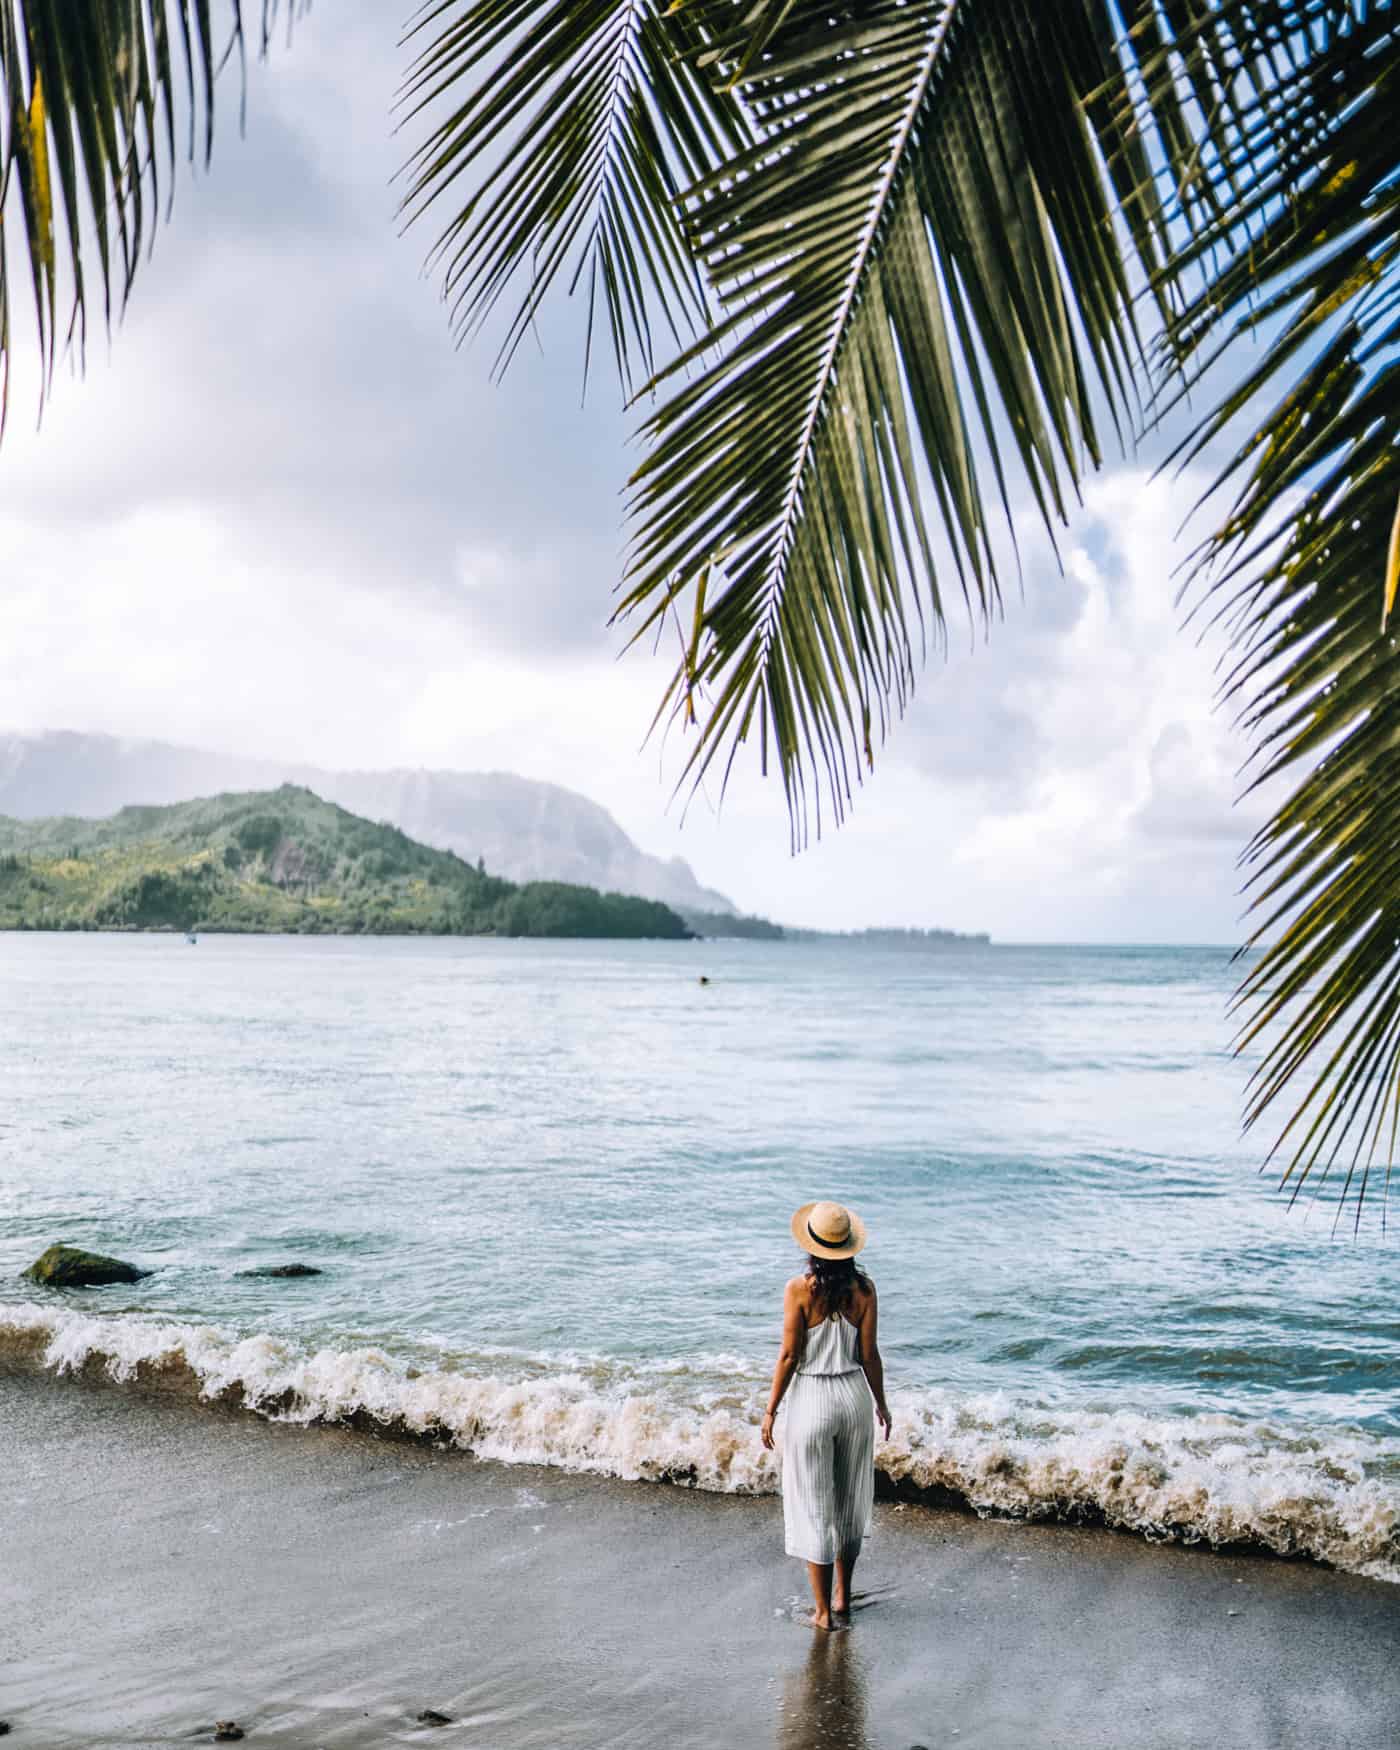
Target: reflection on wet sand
{"type": "Point", "coordinates": [824, 1700]}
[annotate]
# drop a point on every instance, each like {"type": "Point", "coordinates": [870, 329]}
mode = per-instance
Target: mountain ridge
{"type": "Point", "coordinates": [525, 829]}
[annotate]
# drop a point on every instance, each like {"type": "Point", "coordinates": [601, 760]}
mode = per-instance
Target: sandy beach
{"type": "Point", "coordinates": [167, 1564]}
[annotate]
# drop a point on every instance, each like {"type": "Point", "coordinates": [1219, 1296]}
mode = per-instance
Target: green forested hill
{"type": "Point", "coordinates": [281, 860]}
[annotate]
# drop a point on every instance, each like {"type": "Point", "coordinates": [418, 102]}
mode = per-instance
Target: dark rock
{"type": "Point", "coordinates": [283, 1270]}
{"type": "Point", "coordinates": [4, 1727]}
{"type": "Point", "coordinates": [431, 1717]}
{"type": "Point", "coordinates": [70, 1267]}
{"type": "Point", "coordinates": [227, 1732]}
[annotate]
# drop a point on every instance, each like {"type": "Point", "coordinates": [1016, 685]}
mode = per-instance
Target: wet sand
{"type": "Point", "coordinates": [163, 1565]}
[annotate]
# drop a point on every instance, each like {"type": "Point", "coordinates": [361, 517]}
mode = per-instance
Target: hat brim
{"type": "Point", "coordinates": [813, 1246]}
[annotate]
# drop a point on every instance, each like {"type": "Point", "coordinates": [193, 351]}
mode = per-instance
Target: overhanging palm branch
{"type": "Point", "coordinates": [919, 260]}
{"type": "Point", "coordinates": [560, 134]}
{"type": "Point", "coordinates": [98, 101]}
{"type": "Point", "coordinates": [1305, 253]}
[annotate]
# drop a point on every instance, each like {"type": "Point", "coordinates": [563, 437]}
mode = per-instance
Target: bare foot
{"type": "Point", "coordinates": [819, 1618]}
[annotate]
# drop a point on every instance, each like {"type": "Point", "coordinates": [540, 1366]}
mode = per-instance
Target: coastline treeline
{"type": "Point", "coordinates": [732, 926]}
{"type": "Point", "coordinates": [283, 860]}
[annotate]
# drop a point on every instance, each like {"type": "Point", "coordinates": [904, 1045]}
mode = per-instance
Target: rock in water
{"type": "Point", "coordinates": [4, 1727]}
{"type": "Point", "coordinates": [227, 1731]}
{"type": "Point", "coordinates": [71, 1267]}
{"type": "Point", "coordinates": [283, 1270]}
{"type": "Point", "coordinates": [431, 1717]}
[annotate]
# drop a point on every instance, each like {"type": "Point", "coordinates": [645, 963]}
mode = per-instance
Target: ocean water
{"type": "Point", "coordinates": [549, 1185]}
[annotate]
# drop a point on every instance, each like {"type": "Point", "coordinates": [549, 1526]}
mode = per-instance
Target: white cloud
{"type": "Point", "coordinates": [1111, 818]}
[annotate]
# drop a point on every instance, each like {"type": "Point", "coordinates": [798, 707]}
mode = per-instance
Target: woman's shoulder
{"type": "Point", "coordinates": [798, 1293]}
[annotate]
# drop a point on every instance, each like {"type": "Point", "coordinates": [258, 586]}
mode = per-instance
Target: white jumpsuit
{"type": "Point", "coordinates": [828, 1446]}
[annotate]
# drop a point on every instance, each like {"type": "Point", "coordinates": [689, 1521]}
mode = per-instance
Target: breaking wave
{"type": "Point", "coordinates": [1329, 1494]}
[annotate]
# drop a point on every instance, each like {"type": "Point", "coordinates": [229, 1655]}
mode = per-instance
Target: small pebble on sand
{"type": "Point", "coordinates": [431, 1717]}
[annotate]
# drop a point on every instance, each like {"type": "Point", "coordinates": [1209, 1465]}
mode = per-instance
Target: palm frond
{"type": "Point", "coordinates": [578, 123]}
{"type": "Point", "coordinates": [1304, 254]}
{"type": "Point", "coordinates": [918, 260]}
{"type": "Point", "coordinates": [97, 102]}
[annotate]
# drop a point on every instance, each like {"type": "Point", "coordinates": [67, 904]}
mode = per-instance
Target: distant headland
{"type": "Point", "coordinates": [284, 860]}
{"type": "Point", "coordinates": [559, 864]}
{"type": "Point", "coordinates": [524, 829]}
{"type": "Point", "coordinates": [287, 860]}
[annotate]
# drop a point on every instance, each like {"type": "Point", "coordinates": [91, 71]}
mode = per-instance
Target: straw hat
{"type": "Point", "coordinates": [828, 1230]}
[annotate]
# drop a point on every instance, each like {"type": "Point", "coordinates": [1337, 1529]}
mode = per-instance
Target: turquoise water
{"type": "Point", "coordinates": [549, 1188]}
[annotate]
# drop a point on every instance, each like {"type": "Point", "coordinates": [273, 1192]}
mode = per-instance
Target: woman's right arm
{"type": "Point", "coordinates": [870, 1360]}
{"type": "Point", "coordinates": [789, 1354]}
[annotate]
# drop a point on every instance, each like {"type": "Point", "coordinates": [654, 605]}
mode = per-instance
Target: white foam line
{"type": "Point", "coordinates": [1333, 1494]}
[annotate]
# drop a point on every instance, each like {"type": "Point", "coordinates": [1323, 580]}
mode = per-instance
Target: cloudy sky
{"type": "Point", "coordinates": [281, 516]}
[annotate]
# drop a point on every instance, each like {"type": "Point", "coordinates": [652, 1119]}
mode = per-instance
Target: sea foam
{"type": "Point", "coordinates": [1332, 1495]}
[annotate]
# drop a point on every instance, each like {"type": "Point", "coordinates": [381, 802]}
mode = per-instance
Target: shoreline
{"type": "Point", "coordinates": [318, 932]}
{"type": "Point", "coordinates": [1222, 1484]}
{"type": "Point", "coordinates": [174, 1563]}
{"type": "Point", "coordinates": [183, 1384]}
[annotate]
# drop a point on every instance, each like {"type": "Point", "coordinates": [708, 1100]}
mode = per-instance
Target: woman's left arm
{"type": "Point", "coordinates": [794, 1339]}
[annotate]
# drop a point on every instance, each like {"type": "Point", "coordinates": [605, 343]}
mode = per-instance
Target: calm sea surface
{"type": "Point", "coordinates": [549, 1189]}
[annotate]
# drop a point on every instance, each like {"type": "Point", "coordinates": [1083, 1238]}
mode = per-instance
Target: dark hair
{"type": "Point", "coordinates": [833, 1280]}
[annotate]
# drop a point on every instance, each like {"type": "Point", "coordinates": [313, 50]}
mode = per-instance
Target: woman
{"type": "Point", "coordinates": [828, 1433]}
